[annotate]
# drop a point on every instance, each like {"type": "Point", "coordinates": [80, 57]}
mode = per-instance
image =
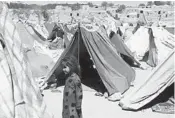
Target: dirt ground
{"type": "Point", "coordinates": [99, 107]}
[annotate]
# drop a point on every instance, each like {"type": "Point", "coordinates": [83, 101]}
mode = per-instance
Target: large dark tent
{"type": "Point", "coordinates": [115, 74]}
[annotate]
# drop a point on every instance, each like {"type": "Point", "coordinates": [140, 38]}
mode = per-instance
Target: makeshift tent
{"type": "Point", "coordinates": [156, 40]}
{"type": "Point", "coordinates": [20, 96]}
{"type": "Point", "coordinates": [122, 48]}
{"type": "Point", "coordinates": [115, 74]}
{"type": "Point", "coordinates": [160, 78]}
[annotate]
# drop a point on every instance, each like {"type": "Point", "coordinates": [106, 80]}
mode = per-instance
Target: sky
{"type": "Point", "coordinates": [128, 3]}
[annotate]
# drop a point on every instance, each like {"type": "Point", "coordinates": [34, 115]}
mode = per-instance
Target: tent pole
{"type": "Point", "coordinates": [78, 43]}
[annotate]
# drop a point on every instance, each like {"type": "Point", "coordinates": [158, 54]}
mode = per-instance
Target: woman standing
{"type": "Point", "coordinates": [72, 98]}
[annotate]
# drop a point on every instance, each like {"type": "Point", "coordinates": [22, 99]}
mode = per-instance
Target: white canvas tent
{"type": "Point", "coordinates": [161, 77]}
{"type": "Point", "coordinates": [139, 42]}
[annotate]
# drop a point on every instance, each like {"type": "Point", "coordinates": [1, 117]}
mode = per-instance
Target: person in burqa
{"type": "Point", "coordinates": [73, 94]}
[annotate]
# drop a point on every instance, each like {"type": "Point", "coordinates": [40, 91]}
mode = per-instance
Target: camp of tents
{"type": "Point", "coordinates": [108, 62]}
{"type": "Point", "coordinates": [148, 46]}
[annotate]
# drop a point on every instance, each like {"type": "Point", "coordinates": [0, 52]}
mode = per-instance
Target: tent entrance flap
{"type": "Point", "coordinates": [90, 76]}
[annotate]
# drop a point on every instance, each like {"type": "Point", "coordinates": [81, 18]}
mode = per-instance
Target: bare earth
{"type": "Point", "coordinates": [99, 107]}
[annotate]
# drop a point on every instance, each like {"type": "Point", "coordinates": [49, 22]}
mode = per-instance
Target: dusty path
{"type": "Point", "coordinates": [97, 107]}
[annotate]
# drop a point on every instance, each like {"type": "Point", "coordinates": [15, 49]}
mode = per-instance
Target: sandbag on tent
{"type": "Point", "coordinates": [160, 78]}
{"type": "Point", "coordinates": [115, 74]}
{"type": "Point", "coordinates": [20, 94]}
